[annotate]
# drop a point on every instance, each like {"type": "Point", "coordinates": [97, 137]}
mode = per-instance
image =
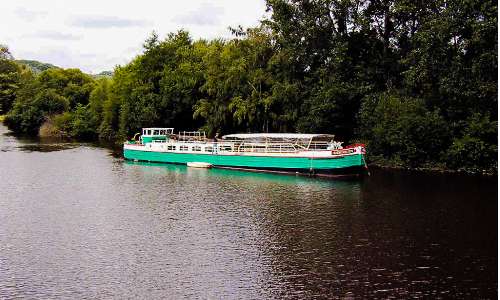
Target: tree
{"type": "Point", "coordinates": [5, 53]}
{"type": "Point", "coordinates": [99, 95]}
{"type": "Point", "coordinates": [402, 130]}
{"type": "Point", "coordinates": [41, 97]}
{"type": "Point", "coordinates": [10, 77]}
{"type": "Point", "coordinates": [70, 83]}
{"type": "Point", "coordinates": [160, 87]}
{"type": "Point", "coordinates": [83, 123]}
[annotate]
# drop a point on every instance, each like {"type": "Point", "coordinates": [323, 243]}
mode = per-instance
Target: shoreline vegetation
{"type": "Point", "coordinates": [116, 147]}
{"type": "Point", "coordinates": [417, 83]}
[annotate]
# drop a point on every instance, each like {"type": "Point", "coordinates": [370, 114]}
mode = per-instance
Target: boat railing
{"type": "Point", "coordinates": [201, 141]}
{"type": "Point", "coordinates": [319, 145]}
{"type": "Point", "coordinates": [195, 136]}
{"type": "Point", "coordinates": [239, 146]}
{"type": "Point", "coordinates": [276, 147]}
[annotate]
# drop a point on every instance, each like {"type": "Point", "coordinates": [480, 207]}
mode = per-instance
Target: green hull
{"type": "Point", "coordinates": [346, 165]}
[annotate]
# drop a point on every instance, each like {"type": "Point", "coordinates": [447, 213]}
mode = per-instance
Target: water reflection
{"type": "Point", "coordinates": [278, 222]}
{"type": "Point", "coordinates": [46, 147]}
{"type": "Point", "coordinates": [261, 177]}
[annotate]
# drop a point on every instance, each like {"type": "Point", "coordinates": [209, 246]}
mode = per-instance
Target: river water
{"type": "Point", "coordinates": [78, 222]}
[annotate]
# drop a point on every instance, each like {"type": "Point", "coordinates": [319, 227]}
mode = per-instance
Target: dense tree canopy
{"type": "Point", "coordinates": [52, 92]}
{"type": "Point", "coordinates": [415, 81]}
{"type": "Point", "coordinates": [10, 74]}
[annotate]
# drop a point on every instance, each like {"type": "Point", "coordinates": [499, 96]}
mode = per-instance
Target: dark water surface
{"type": "Point", "coordinates": [76, 222]}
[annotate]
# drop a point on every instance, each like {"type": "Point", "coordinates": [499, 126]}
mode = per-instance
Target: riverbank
{"type": "Point", "coordinates": [430, 167]}
{"type": "Point", "coordinates": [116, 147]}
{"type": "Point", "coordinates": [433, 170]}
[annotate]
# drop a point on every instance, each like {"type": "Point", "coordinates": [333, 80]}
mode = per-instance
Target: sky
{"type": "Point", "coordinates": [97, 35]}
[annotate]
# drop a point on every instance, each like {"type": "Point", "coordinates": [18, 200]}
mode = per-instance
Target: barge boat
{"type": "Point", "coordinates": [296, 153]}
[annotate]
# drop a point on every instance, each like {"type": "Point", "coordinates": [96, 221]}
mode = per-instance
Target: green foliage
{"type": "Point", "coordinates": [109, 124]}
{"type": "Point", "coordinates": [63, 122]}
{"type": "Point", "coordinates": [401, 129]}
{"type": "Point", "coordinates": [476, 149]}
{"type": "Point", "coordinates": [27, 116]}
{"type": "Point", "coordinates": [70, 83]}
{"type": "Point", "coordinates": [83, 123]}
{"type": "Point", "coordinates": [10, 73]}
{"type": "Point", "coordinates": [50, 102]}
{"type": "Point", "coordinates": [242, 93]}
{"type": "Point", "coordinates": [52, 92]}
{"type": "Point", "coordinates": [99, 95]}
{"type": "Point", "coordinates": [160, 87]}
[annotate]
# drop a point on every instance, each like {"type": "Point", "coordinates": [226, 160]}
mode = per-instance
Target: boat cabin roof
{"type": "Point", "coordinates": [157, 131]}
{"type": "Point", "coordinates": [278, 136]}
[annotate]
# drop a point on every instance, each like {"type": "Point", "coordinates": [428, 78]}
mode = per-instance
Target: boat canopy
{"type": "Point", "coordinates": [295, 136]}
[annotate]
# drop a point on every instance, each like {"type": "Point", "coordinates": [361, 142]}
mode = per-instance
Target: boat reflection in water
{"type": "Point", "coordinates": [150, 168]}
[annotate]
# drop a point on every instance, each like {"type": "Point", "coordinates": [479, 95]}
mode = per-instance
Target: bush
{"type": "Point", "coordinates": [28, 114]}
{"type": "Point", "coordinates": [83, 125]}
{"type": "Point", "coordinates": [403, 130]}
{"type": "Point", "coordinates": [476, 150]}
{"type": "Point", "coordinates": [63, 122]}
{"type": "Point", "coordinates": [50, 102]}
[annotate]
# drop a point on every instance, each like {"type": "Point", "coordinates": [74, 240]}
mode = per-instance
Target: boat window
{"type": "Point", "coordinates": [170, 147]}
{"type": "Point", "coordinates": [225, 148]}
{"type": "Point", "coordinates": [209, 149]}
{"type": "Point", "coordinates": [148, 132]}
{"type": "Point", "coordinates": [196, 148]}
{"type": "Point", "coordinates": [259, 148]}
{"type": "Point", "coordinates": [184, 148]}
{"type": "Point", "coordinates": [156, 132]}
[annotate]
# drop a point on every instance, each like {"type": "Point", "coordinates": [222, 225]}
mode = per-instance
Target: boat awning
{"type": "Point", "coordinates": [277, 136]}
